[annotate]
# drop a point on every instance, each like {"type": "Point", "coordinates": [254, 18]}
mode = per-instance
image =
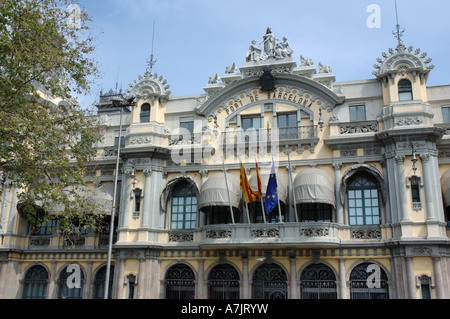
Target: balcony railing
{"type": "Point", "coordinates": [271, 134]}
{"type": "Point", "coordinates": [286, 232]}
{"type": "Point", "coordinates": [358, 127]}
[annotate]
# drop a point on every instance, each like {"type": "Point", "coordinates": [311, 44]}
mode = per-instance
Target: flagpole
{"type": "Point", "coordinates": [228, 191]}
{"type": "Point", "coordinates": [262, 196]}
{"type": "Point", "coordinates": [263, 210]}
{"type": "Point", "coordinates": [246, 207]}
{"type": "Point", "coordinates": [292, 187]}
{"type": "Point", "coordinates": [279, 209]}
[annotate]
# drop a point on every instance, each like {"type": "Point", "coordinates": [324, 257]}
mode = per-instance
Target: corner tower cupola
{"type": "Point", "coordinates": [151, 93]}
{"type": "Point", "coordinates": [404, 73]}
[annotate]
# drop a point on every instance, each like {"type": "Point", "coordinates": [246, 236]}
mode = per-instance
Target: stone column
{"type": "Point", "coordinates": [147, 198]}
{"type": "Point", "coordinates": [438, 278]}
{"type": "Point", "coordinates": [200, 282]}
{"type": "Point", "coordinates": [337, 188]}
{"type": "Point", "coordinates": [119, 273]}
{"type": "Point", "coordinates": [387, 208]}
{"type": "Point", "coordinates": [141, 278]}
{"type": "Point", "coordinates": [401, 187]}
{"type": "Point", "coordinates": [157, 178]}
{"type": "Point", "coordinates": [342, 279]}
{"type": "Point", "coordinates": [411, 280]}
{"type": "Point", "coordinates": [429, 182]}
{"type": "Point", "coordinates": [245, 283]}
{"type": "Point", "coordinates": [293, 278]}
{"type": "Point", "coordinates": [87, 292]}
{"type": "Point", "coordinates": [126, 200]}
{"type": "Point", "coordinates": [52, 286]}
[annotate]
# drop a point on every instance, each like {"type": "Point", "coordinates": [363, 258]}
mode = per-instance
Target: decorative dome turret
{"type": "Point", "coordinates": [403, 60]}
{"type": "Point", "coordinates": [150, 86]}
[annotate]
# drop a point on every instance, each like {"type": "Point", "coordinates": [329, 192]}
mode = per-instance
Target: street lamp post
{"type": "Point", "coordinates": [117, 102]}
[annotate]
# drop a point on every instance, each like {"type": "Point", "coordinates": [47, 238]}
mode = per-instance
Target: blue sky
{"type": "Point", "coordinates": [194, 39]}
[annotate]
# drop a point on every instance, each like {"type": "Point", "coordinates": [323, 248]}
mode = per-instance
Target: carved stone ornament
{"type": "Point", "coordinates": [267, 81]}
{"type": "Point", "coordinates": [218, 234]}
{"type": "Point", "coordinates": [315, 232]}
{"type": "Point", "coordinates": [181, 237]}
{"type": "Point", "coordinates": [265, 233]}
{"type": "Point", "coordinates": [366, 234]}
{"type": "Point", "coordinates": [401, 61]}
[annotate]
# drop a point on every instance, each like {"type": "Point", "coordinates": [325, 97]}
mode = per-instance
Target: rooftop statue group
{"type": "Point", "coordinates": [272, 49]}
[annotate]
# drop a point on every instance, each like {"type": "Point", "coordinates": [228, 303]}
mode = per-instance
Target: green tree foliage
{"type": "Point", "coordinates": [46, 137]}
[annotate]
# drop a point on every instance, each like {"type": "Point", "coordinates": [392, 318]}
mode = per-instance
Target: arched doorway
{"type": "Point", "coordinates": [318, 281]}
{"type": "Point", "coordinates": [64, 292]}
{"type": "Point", "coordinates": [270, 282]}
{"type": "Point", "coordinates": [368, 281]}
{"type": "Point", "coordinates": [223, 282]}
{"type": "Point", "coordinates": [180, 282]}
{"type": "Point", "coordinates": [35, 283]}
{"type": "Point", "coordinates": [99, 283]}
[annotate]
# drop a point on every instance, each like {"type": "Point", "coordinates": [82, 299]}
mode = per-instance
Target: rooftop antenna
{"type": "Point", "coordinates": [398, 32]}
{"type": "Point", "coordinates": [152, 60]}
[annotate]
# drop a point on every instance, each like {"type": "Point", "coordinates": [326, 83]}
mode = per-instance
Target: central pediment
{"type": "Point", "coordinates": [302, 84]}
{"type": "Point", "coordinates": [289, 88]}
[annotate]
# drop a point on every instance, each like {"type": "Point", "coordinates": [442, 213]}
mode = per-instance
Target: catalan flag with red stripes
{"type": "Point", "coordinates": [258, 178]}
{"type": "Point", "coordinates": [250, 196]}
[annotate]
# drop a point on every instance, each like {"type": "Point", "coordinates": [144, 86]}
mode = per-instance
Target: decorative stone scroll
{"type": "Point", "coordinates": [366, 234]}
{"type": "Point", "coordinates": [315, 232]}
{"type": "Point", "coordinates": [181, 237]}
{"type": "Point", "coordinates": [218, 234]}
{"type": "Point", "coordinates": [358, 127]}
{"type": "Point", "coordinates": [265, 233]}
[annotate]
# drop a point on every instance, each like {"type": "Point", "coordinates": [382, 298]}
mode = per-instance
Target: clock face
{"type": "Point", "coordinates": [267, 81]}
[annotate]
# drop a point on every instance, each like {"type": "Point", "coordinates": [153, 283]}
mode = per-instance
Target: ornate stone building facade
{"type": "Point", "coordinates": [363, 186]}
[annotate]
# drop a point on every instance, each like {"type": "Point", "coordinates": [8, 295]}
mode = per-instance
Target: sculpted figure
{"type": "Point", "coordinates": [269, 45]}
{"type": "Point", "coordinates": [254, 52]}
{"type": "Point", "coordinates": [283, 50]}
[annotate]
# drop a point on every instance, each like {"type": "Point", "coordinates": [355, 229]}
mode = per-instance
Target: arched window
{"type": "Point", "coordinates": [270, 282]}
{"type": "Point", "coordinates": [35, 283]}
{"type": "Point", "coordinates": [99, 283]}
{"type": "Point", "coordinates": [368, 283]}
{"type": "Point", "coordinates": [318, 281]}
{"type": "Point", "coordinates": [184, 206]}
{"type": "Point", "coordinates": [145, 113]}
{"type": "Point", "coordinates": [405, 90]}
{"type": "Point", "coordinates": [363, 201]}
{"type": "Point", "coordinates": [223, 282]}
{"type": "Point", "coordinates": [66, 292]}
{"type": "Point", "coordinates": [180, 282]}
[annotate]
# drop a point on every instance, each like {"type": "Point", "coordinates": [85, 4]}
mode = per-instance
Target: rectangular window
{"type": "Point", "coordinates": [251, 122]}
{"type": "Point", "coordinates": [415, 193]}
{"type": "Point", "coordinates": [446, 114]}
{"type": "Point", "coordinates": [184, 213]}
{"type": "Point", "coordinates": [357, 113]}
{"type": "Point", "coordinates": [188, 125]}
{"type": "Point", "coordinates": [288, 127]}
{"type": "Point", "coordinates": [122, 139]}
{"type": "Point", "coordinates": [251, 127]}
{"type": "Point", "coordinates": [315, 212]}
{"type": "Point", "coordinates": [363, 207]}
{"type": "Point", "coordinates": [46, 228]}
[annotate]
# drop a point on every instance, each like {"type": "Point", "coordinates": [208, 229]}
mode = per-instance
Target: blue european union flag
{"type": "Point", "coordinates": [271, 197]}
